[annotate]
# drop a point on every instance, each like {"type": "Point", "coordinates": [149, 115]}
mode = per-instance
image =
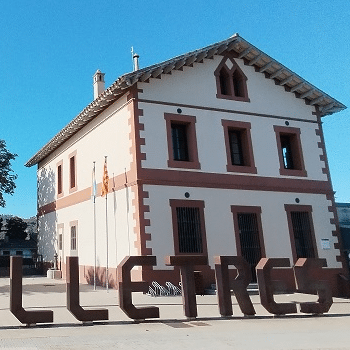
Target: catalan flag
{"type": "Point", "coordinates": [105, 180]}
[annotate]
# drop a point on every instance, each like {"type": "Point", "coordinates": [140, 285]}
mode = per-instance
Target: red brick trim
{"type": "Point", "coordinates": [332, 209]}
{"type": "Point", "coordinates": [247, 148]}
{"type": "Point", "coordinates": [172, 177]}
{"type": "Point", "coordinates": [189, 121]}
{"type": "Point", "coordinates": [137, 188]}
{"type": "Point", "coordinates": [230, 72]}
{"type": "Point", "coordinates": [302, 208]}
{"type": "Point", "coordinates": [236, 209]}
{"type": "Point", "coordinates": [174, 203]}
{"type": "Point", "coordinates": [298, 159]}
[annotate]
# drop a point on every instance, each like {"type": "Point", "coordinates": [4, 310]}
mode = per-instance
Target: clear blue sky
{"type": "Point", "coordinates": [49, 51]}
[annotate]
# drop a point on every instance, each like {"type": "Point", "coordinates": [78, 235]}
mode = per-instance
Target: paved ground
{"type": "Point", "coordinates": [172, 330]}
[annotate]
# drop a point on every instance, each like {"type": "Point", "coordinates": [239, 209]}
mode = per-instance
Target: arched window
{"type": "Point", "coordinates": [225, 85]}
{"type": "Point", "coordinates": [230, 81]}
{"type": "Point", "coordinates": [238, 84]}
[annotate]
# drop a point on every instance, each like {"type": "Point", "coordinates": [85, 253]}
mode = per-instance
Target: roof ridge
{"type": "Point", "coordinates": [244, 50]}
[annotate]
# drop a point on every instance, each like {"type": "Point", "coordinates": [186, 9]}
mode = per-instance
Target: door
{"type": "Point", "coordinates": [249, 239]}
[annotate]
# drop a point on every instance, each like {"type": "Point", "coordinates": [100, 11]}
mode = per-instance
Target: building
{"type": "Point", "coordinates": [219, 152]}
{"type": "Point", "coordinates": [343, 211]}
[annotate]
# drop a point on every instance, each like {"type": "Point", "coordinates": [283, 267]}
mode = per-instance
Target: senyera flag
{"type": "Point", "coordinates": [105, 180]}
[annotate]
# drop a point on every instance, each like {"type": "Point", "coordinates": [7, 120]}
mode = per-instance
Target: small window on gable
{"type": "Point", "coordinates": [231, 82]}
{"type": "Point", "coordinates": [225, 86]}
{"type": "Point", "coordinates": [238, 83]}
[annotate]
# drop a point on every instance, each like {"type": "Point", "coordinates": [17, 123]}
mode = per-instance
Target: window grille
{"type": "Point", "coordinates": [249, 239]}
{"type": "Point", "coordinates": [180, 144]}
{"type": "Point", "coordinates": [302, 234]}
{"type": "Point", "coordinates": [189, 230]}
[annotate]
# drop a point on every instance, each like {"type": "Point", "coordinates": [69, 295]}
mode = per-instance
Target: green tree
{"type": "Point", "coordinates": [7, 177]}
{"type": "Point", "coordinates": [16, 229]}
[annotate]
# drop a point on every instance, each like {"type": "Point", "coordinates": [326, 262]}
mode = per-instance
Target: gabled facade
{"type": "Point", "coordinates": [216, 152]}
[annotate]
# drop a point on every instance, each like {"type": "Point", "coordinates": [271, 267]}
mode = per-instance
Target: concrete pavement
{"type": "Point", "coordinates": [172, 330]}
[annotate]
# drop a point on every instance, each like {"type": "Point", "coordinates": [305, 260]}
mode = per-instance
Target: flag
{"type": "Point", "coordinates": [94, 186]}
{"type": "Point", "coordinates": [105, 179]}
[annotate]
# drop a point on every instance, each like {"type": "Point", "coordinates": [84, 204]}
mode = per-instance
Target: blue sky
{"type": "Point", "coordinates": [50, 50]}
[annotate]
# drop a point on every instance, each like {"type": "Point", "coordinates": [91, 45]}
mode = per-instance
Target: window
{"type": "Point", "coordinates": [239, 150]}
{"type": "Point", "coordinates": [60, 241]}
{"type": "Point", "coordinates": [301, 231]}
{"type": "Point", "coordinates": [235, 140]}
{"type": "Point", "coordinates": [188, 227]}
{"type": "Point", "coordinates": [248, 233]}
{"type": "Point", "coordinates": [225, 85]}
{"type": "Point", "coordinates": [72, 172]}
{"type": "Point", "coordinates": [231, 82]}
{"type": "Point", "coordinates": [6, 252]}
{"type": "Point", "coordinates": [182, 141]}
{"type": "Point", "coordinates": [180, 145]}
{"type": "Point", "coordinates": [73, 238]}
{"type": "Point", "coordinates": [289, 151]}
{"type": "Point", "coordinates": [60, 179]}
{"type": "Point", "coordinates": [19, 252]}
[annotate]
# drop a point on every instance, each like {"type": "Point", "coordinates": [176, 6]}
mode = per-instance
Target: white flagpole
{"type": "Point", "coordinates": [94, 205]}
{"type": "Point", "coordinates": [115, 221]}
{"type": "Point", "coordinates": [127, 207]}
{"type": "Point", "coordinates": [106, 235]}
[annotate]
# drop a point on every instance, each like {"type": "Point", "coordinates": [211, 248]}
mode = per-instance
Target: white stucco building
{"type": "Point", "coordinates": [219, 151]}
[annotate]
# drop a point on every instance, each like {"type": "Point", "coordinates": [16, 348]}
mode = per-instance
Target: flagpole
{"type": "Point", "coordinates": [106, 232]}
{"type": "Point", "coordinates": [94, 205]}
{"type": "Point", "coordinates": [115, 221]}
{"type": "Point", "coordinates": [127, 208]}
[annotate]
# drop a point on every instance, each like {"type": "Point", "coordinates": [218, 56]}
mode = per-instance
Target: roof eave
{"type": "Point", "coordinates": [262, 63]}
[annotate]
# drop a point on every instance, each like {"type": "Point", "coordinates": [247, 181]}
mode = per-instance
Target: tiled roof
{"type": "Point", "coordinates": [243, 49]}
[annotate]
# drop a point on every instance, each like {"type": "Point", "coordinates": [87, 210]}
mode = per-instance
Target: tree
{"type": "Point", "coordinates": [7, 177]}
{"type": "Point", "coordinates": [16, 229]}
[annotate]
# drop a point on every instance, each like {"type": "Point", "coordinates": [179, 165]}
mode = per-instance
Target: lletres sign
{"type": "Point", "coordinates": [304, 270]}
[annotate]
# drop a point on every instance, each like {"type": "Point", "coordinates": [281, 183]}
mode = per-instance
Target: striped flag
{"type": "Point", "coordinates": [105, 180]}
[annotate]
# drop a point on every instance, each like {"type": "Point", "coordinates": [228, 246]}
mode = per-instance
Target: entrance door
{"type": "Point", "coordinates": [249, 239]}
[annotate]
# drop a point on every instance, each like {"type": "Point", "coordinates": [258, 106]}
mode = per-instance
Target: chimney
{"type": "Point", "coordinates": [135, 57]}
{"type": "Point", "coordinates": [98, 83]}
